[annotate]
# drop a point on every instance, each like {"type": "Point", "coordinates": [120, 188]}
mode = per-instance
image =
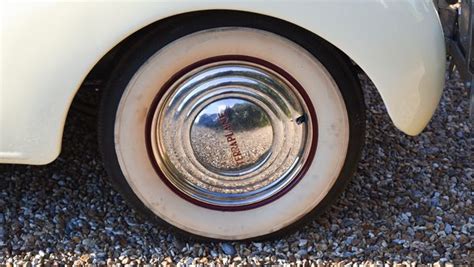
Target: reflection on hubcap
{"type": "Point", "coordinates": [231, 134]}
{"type": "Point", "coordinates": [238, 129]}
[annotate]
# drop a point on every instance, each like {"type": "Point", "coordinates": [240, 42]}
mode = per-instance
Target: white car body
{"type": "Point", "coordinates": [48, 48]}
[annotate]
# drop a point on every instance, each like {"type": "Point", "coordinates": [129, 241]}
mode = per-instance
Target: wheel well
{"type": "Point", "coordinates": [100, 73]}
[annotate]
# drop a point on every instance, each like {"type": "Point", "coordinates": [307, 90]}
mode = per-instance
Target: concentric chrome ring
{"type": "Point", "coordinates": [231, 132]}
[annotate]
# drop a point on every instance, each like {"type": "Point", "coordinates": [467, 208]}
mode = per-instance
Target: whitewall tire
{"type": "Point", "coordinates": [231, 132]}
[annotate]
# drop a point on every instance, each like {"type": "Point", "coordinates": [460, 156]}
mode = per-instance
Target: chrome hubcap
{"type": "Point", "coordinates": [231, 133]}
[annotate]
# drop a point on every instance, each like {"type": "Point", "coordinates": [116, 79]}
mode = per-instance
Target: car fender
{"type": "Point", "coordinates": [47, 50]}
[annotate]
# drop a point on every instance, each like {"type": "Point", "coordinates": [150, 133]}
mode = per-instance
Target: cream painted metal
{"type": "Point", "coordinates": [47, 49]}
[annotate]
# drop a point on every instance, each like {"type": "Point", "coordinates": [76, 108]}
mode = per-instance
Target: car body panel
{"type": "Point", "coordinates": [47, 50]}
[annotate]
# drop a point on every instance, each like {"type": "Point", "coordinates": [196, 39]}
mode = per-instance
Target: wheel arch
{"type": "Point", "coordinates": [105, 65]}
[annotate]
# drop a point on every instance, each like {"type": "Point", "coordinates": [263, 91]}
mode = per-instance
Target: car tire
{"type": "Point", "coordinates": [231, 126]}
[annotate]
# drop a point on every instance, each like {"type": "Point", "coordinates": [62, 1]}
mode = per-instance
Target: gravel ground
{"type": "Point", "coordinates": [410, 200]}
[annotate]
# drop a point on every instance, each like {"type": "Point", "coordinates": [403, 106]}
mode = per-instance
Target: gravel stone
{"type": "Point", "coordinates": [303, 242]}
{"type": "Point", "coordinates": [409, 203]}
{"type": "Point", "coordinates": [228, 249]}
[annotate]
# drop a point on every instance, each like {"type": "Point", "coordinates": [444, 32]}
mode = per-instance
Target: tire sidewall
{"type": "Point", "coordinates": [335, 63]}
